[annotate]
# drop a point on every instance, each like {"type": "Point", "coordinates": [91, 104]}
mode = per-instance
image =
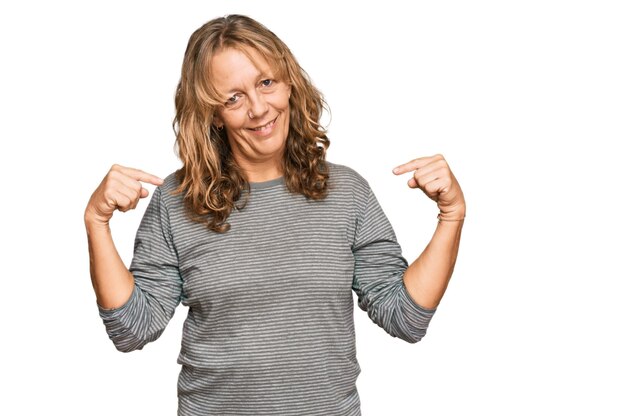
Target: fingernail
{"type": "Point", "coordinates": [396, 170]}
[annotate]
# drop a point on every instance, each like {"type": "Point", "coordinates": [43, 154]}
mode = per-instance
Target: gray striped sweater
{"type": "Point", "coordinates": [270, 325]}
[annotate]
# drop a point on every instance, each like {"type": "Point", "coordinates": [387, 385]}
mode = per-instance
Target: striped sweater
{"type": "Point", "coordinates": [270, 325]}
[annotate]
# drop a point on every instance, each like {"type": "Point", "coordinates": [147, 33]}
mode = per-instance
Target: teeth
{"type": "Point", "coordinates": [264, 127]}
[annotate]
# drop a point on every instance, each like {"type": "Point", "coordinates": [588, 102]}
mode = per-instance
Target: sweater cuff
{"type": "Point", "coordinates": [116, 313]}
{"type": "Point", "coordinates": [419, 315]}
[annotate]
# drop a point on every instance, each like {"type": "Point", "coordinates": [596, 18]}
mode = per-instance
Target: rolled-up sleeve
{"type": "Point", "coordinates": [378, 276]}
{"type": "Point", "coordinates": [158, 285]}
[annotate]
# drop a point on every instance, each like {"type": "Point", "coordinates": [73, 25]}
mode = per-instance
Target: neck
{"type": "Point", "coordinates": [261, 172]}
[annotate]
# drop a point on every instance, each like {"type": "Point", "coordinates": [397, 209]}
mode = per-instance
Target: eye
{"type": "Point", "coordinates": [267, 82]}
{"type": "Point", "coordinates": [233, 100]}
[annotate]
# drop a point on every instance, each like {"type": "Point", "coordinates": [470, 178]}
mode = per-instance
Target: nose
{"type": "Point", "coordinates": [258, 105]}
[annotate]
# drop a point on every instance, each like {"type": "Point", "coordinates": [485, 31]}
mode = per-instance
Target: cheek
{"type": "Point", "coordinates": [234, 120]}
{"type": "Point", "coordinates": [280, 100]}
{"type": "Point", "coordinates": [283, 107]}
{"type": "Point", "coordinates": [285, 102]}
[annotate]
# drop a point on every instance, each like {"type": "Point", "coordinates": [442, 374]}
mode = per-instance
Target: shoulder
{"type": "Point", "coordinates": [343, 176]}
{"type": "Point", "coordinates": [348, 186]}
{"type": "Point", "coordinates": [170, 182]}
{"type": "Point", "coordinates": [167, 191]}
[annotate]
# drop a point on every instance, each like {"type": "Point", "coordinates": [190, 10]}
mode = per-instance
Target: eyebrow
{"type": "Point", "coordinates": [260, 76]}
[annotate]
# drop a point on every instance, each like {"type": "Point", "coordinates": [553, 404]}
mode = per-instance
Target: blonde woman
{"type": "Point", "coordinates": [263, 240]}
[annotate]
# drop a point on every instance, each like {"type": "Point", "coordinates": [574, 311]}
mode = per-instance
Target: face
{"type": "Point", "coordinates": [255, 110]}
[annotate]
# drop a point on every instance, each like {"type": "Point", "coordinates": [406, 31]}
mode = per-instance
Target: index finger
{"type": "Point", "coordinates": [141, 176]}
{"type": "Point", "coordinates": [412, 165]}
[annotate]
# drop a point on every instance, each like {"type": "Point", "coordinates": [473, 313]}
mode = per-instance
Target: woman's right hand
{"type": "Point", "coordinates": [119, 190]}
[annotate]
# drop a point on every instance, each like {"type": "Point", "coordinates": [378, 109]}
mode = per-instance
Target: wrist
{"type": "Point", "coordinates": [95, 222]}
{"type": "Point", "coordinates": [455, 213]}
{"type": "Point", "coordinates": [454, 217]}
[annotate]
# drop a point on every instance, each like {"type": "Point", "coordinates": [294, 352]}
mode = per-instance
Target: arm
{"type": "Point", "coordinates": [135, 304]}
{"type": "Point", "coordinates": [427, 277]}
{"type": "Point", "coordinates": [120, 190]}
{"type": "Point", "coordinates": [378, 270]}
{"type": "Point", "coordinates": [111, 280]}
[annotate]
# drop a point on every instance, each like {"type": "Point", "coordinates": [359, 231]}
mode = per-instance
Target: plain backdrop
{"type": "Point", "coordinates": [525, 100]}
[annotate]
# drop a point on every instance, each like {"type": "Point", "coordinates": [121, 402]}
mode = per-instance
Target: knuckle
{"type": "Point", "coordinates": [441, 172]}
{"type": "Point", "coordinates": [124, 206]}
{"type": "Point", "coordinates": [112, 176]}
{"type": "Point", "coordinates": [108, 196]}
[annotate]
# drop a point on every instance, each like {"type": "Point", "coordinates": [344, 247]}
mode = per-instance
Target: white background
{"type": "Point", "coordinates": [525, 100]}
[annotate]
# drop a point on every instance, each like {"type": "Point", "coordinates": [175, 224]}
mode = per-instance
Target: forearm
{"type": "Point", "coordinates": [426, 279]}
{"type": "Point", "coordinates": [112, 281]}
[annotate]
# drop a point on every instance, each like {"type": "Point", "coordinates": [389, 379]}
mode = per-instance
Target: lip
{"type": "Point", "coordinates": [265, 131]}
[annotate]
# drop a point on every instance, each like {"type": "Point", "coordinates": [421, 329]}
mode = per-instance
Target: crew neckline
{"type": "Point", "coordinates": [267, 184]}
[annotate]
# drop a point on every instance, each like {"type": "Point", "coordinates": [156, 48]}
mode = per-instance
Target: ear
{"type": "Point", "coordinates": [218, 122]}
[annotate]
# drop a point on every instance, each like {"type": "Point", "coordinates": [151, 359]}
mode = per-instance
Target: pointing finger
{"type": "Point", "coordinates": [412, 165]}
{"type": "Point", "coordinates": [139, 175]}
{"type": "Point", "coordinates": [145, 177]}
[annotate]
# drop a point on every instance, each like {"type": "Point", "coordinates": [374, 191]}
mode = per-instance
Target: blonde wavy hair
{"type": "Point", "coordinates": [210, 180]}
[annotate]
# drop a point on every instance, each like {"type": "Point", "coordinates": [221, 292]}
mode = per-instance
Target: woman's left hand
{"type": "Point", "coordinates": [434, 177]}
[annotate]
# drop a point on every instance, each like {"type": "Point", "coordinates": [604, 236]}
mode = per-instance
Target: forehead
{"type": "Point", "coordinates": [235, 69]}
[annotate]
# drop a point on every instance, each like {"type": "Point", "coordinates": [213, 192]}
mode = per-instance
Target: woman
{"type": "Point", "coordinates": [263, 239]}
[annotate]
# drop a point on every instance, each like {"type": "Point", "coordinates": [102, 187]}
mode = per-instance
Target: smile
{"type": "Point", "coordinates": [264, 129]}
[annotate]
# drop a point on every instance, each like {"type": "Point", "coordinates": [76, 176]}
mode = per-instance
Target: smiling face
{"type": "Point", "coordinates": [255, 113]}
